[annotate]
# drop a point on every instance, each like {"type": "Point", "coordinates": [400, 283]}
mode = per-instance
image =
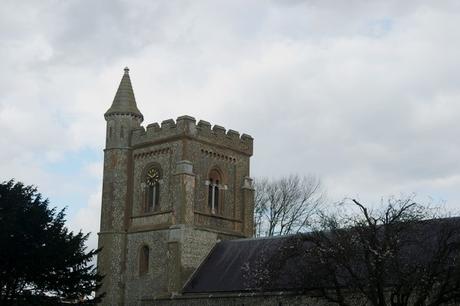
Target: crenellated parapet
{"type": "Point", "coordinates": [186, 126]}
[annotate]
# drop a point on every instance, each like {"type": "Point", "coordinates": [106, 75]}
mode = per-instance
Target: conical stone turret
{"type": "Point", "coordinates": [123, 116]}
{"type": "Point", "coordinates": [124, 102]}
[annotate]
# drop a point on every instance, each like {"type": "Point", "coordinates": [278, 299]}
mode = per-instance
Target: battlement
{"type": "Point", "coordinates": [186, 126]}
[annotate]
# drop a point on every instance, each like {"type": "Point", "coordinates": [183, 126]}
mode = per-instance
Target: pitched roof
{"type": "Point", "coordinates": [124, 101]}
{"type": "Point", "coordinates": [284, 264]}
{"type": "Point", "coordinates": [227, 265]}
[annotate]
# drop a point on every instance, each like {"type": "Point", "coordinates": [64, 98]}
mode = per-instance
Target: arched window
{"type": "Point", "coordinates": [214, 186]}
{"type": "Point", "coordinates": [152, 190]}
{"type": "Point", "coordinates": [144, 260]}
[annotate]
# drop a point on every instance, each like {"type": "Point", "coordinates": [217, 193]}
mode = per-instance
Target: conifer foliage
{"type": "Point", "coordinates": [41, 261]}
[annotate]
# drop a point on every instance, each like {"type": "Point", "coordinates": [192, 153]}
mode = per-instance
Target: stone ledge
{"type": "Point", "coordinates": [153, 213]}
{"type": "Point", "coordinates": [217, 216]}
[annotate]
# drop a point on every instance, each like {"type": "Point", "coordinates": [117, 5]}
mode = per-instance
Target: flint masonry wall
{"type": "Point", "coordinates": [156, 278]}
{"type": "Point", "coordinates": [255, 299]}
{"type": "Point", "coordinates": [241, 300]}
{"type": "Point", "coordinates": [182, 231]}
{"type": "Point", "coordinates": [112, 236]}
{"type": "Point", "coordinates": [175, 254]}
{"type": "Point", "coordinates": [179, 229]}
{"type": "Point", "coordinates": [205, 148]}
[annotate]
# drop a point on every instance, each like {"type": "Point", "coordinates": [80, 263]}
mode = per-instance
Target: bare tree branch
{"type": "Point", "coordinates": [286, 205]}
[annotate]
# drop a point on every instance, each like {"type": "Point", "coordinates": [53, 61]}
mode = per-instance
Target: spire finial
{"type": "Point", "coordinates": [126, 70]}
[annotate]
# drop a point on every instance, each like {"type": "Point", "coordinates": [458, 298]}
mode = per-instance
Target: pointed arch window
{"type": "Point", "coordinates": [214, 191]}
{"type": "Point", "coordinates": [152, 189]}
{"type": "Point", "coordinates": [144, 254]}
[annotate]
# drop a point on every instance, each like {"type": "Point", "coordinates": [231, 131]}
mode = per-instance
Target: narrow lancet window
{"type": "Point", "coordinates": [210, 194]}
{"type": "Point", "coordinates": [214, 188]}
{"type": "Point", "coordinates": [144, 260]}
{"type": "Point", "coordinates": [216, 196]}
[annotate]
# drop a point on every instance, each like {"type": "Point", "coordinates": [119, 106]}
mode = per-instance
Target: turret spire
{"type": "Point", "coordinates": [124, 101]}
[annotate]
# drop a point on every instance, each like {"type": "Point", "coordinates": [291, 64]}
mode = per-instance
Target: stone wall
{"type": "Point", "coordinates": [112, 236]}
{"type": "Point", "coordinates": [193, 246]}
{"type": "Point", "coordinates": [256, 299]}
{"type": "Point", "coordinates": [173, 142]}
{"type": "Point", "coordinates": [234, 167]}
{"type": "Point", "coordinates": [235, 300]}
{"type": "Point", "coordinates": [156, 278]}
{"type": "Point", "coordinates": [181, 230]}
{"type": "Point", "coordinates": [163, 157]}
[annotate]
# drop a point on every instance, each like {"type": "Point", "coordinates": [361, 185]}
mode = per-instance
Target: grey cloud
{"type": "Point", "coordinates": [363, 94]}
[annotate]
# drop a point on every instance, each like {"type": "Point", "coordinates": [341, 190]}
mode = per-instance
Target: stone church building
{"type": "Point", "coordinates": [177, 207]}
{"type": "Point", "coordinates": [177, 219]}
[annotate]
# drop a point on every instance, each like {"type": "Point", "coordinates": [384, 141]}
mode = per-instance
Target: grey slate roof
{"type": "Point", "coordinates": [226, 267]}
{"type": "Point", "coordinates": [124, 101]}
{"type": "Point", "coordinates": [237, 266]}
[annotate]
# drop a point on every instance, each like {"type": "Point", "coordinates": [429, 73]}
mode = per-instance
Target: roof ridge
{"type": "Point", "coordinates": [262, 238]}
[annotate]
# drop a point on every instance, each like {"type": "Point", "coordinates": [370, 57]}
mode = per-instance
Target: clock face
{"type": "Point", "coordinates": [153, 176]}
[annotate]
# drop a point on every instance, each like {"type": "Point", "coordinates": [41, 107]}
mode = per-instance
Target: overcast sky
{"type": "Point", "coordinates": [363, 94]}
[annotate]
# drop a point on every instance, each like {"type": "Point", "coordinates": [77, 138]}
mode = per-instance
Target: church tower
{"type": "Point", "coordinates": [170, 192]}
{"type": "Point", "coordinates": [122, 117]}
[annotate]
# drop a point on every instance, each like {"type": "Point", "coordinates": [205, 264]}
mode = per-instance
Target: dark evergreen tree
{"type": "Point", "coordinates": [41, 261]}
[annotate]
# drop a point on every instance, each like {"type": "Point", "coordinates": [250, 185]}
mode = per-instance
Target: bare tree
{"type": "Point", "coordinates": [403, 254]}
{"type": "Point", "coordinates": [287, 205]}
